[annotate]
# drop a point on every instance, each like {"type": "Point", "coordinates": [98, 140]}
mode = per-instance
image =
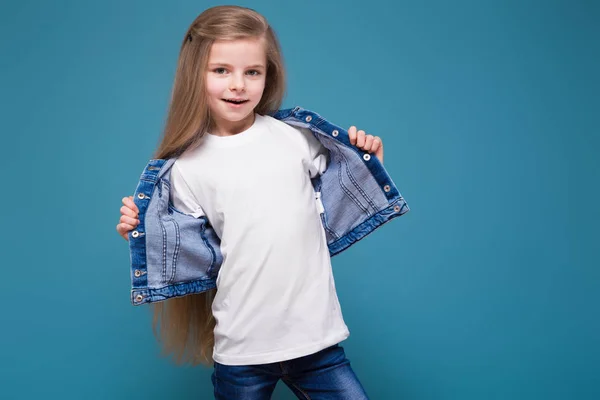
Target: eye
{"type": "Point", "coordinates": [219, 71]}
{"type": "Point", "coordinates": [254, 72]}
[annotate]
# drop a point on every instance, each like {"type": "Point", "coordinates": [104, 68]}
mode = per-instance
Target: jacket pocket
{"type": "Point", "coordinates": [179, 247]}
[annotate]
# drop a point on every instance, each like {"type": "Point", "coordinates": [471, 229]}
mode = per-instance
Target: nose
{"type": "Point", "coordinates": [237, 83]}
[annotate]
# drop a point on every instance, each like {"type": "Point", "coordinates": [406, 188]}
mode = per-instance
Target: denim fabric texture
{"type": "Point", "coordinates": [173, 254]}
{"type": "Point", "coordinates": [326, 375]}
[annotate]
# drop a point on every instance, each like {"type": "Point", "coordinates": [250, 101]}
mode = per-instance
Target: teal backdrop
{"type": "Point", "coordinates": [489, 111]}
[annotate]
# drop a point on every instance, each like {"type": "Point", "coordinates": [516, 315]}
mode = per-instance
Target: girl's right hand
{"type": "Point", "coordinates": [129, 215]}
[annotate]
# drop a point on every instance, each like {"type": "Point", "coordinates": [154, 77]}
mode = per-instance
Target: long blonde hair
{"type": "Point", "coordinates": [184, 325]}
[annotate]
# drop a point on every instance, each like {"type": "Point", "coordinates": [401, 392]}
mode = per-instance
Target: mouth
{"type": "Point", "coordinates": [232, 101]}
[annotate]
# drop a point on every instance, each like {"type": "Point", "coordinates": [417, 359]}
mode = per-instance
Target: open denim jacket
{"type": "Point", "coordinates": [175, 254]}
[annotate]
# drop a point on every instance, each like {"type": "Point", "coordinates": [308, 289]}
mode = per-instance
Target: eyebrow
{"type": "Point", "coordinates": [229, 65]}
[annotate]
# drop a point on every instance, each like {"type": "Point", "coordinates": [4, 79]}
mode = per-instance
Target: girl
{"type": "Point", "coordinates": [250, 176]}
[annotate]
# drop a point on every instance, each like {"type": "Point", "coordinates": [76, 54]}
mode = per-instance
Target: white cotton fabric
{"type": "Point", "coordinates": [276, 297]}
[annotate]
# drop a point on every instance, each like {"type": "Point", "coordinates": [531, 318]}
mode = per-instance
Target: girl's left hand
{"type": "Point", "coordinates": [368, 143]}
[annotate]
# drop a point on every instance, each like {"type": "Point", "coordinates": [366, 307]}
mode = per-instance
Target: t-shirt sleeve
{"type": "Point", "coordinates": [318, 153]}
{"type": "Point", "coordinates": [181, 196]}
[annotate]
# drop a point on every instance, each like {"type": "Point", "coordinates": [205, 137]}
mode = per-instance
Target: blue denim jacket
{"type": "Point", "coordinates": [175, 254]}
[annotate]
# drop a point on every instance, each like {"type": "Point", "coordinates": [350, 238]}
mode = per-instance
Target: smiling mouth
{"type": "Point", "coordinates": [235, 101]}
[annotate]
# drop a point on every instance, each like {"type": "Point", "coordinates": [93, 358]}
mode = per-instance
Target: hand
{"type": "Point", "coordinates": [129, 215]}
{"type": "Point", "coordinates": [368, 143]}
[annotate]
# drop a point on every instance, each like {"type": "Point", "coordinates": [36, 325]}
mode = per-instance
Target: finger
{"type": "Point", "coordinates": [360, 139]}
{"type": "Point", "coordinates": [379, 151]}
{"type": "Point", "coordinates": [128, 220]}
{"type": "Point", "coordinates": [368, 143]}
{"type": "Point", "coordinates": [376, 144]}
{"type": "Point", "coordinates": [352, 135]}
{"type": "Point", "coordinates": [123, 230]}
{"type": "Point", "coordinates": [128, 202]}
{"type": "Point", "coordinates": [131, 204]}
{"type": "Point", "coordinates": [128, 212]}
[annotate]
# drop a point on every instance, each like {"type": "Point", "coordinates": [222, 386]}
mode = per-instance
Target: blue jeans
{"type": "Point", "coordinates": [321, 376]}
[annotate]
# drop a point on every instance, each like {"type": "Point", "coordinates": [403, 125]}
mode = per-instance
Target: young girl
{"type": "Point", "coordinates": [251, 177]}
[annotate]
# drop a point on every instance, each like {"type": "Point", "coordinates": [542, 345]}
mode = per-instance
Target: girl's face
{"type": "Point", "coordinates": [235, 82]}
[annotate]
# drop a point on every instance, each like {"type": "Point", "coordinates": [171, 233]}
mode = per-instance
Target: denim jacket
{"type": "Point", "coordinates": [175, 254]}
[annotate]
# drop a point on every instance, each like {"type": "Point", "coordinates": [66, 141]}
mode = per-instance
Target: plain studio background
{"type": "Point", "coordinates": [488, 289]}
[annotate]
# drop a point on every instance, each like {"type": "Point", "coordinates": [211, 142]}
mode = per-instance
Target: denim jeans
{"type": "Point", "coordinates": [321, 376]}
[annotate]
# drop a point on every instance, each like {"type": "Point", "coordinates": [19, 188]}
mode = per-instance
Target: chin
{"type": "Point", "coordinates": [238, 116]}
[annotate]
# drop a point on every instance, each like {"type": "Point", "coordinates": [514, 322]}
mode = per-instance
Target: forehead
{"type": "Point", "coordinates": [238, 51]}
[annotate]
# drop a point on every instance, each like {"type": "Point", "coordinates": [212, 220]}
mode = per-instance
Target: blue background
{"type": "Point", "coordinates": [489, 111]}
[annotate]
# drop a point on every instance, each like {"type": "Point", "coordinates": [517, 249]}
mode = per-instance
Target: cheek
{"type": "Point", "coordinates": [257, 87]}
{"type": "Point", "coordinates": [215, 87]}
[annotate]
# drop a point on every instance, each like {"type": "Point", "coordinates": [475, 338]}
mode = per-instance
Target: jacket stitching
{"type": "Point", "coordinates": [367, 198]}
{"type": "Point", "coordinates": [378, 222]}
{"type": "Point", "coordinates": [344, 188]}
{"type": "Point", "coordinates": [355, 182]}
{"type": "Point", "coordinates": [164, 257]}
{"type": "Point", "coordinates": [167, 184]}
{"type": "Point", "coordinates": [176, 250]}
{"type": "Point", "coordinates": [210, 248]}
{"type": "Point", "coordinates": [323, 215]}
{"type": "Point", "coordinates": [327, 228]}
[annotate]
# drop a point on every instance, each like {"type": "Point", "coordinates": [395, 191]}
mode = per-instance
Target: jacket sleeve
{"type": "Point", "coordinates": [319, 154]}
{"type": "Point", "coordinates": [181, 195]}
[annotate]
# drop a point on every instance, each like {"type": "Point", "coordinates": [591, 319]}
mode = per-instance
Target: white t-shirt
{"type": "Point", "coordinates": [276, 297]}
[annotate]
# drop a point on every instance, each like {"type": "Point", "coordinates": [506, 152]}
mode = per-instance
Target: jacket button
{"type": "Point", "coordinates": [367, 157]}
{"type": "Point", "coordinates": [396, 208]}
{"type": "Point", "coordinates": [335, 133]}
{"type": "Point", "coordinates": [139, 297]}
{"type": "Point", "coordinates": [308, 118]}
{"type": "Point", "coordinates": [137, 273]}
{"type": "Point", "coordinates": [135, 234]}
{"type": "Point", "coordinates": [387, 188]}
{"type": "Point", "coordinates": [141, 196]}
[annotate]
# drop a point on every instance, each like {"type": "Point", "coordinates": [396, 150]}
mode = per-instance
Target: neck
{"type": "Point", "coordinates": [229, 128]}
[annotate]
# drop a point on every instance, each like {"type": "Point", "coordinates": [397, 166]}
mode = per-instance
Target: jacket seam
{"type": "Point", "coordinates": [176, 250]}
{"type": "Point", "coordinates": [345, 188]}
{"type": "Point", "coordinates": [353, 179]}
{"type": "Point", "coordinates": [212, 251]}
{"type": "Point", "coordinates": [326, 226]}
{"type": "Point", "coordinates": [369, 220]}
{"type": "Point", "coordinates": [164, 250]}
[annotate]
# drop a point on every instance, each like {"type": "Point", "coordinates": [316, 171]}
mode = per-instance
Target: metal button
{"type": "Point", "coordinates": [135, 234]}
{"type": "Point", "coordinates": [335, 133]}
{"type": "Point", "coordinates": [308, 118]}
{"type": "Point", "coordinates": [141, 196]}
{"type": "Point", "coordinates": [139, 297]}
{"type": "Point", "coordinates": [387, 188]}
{"type": "Point", "coordinates": [137, 273]}
{"type": "Point", "coordinates": [397, 208]}
{"type": "Point", "coordinates": [367, 157]}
